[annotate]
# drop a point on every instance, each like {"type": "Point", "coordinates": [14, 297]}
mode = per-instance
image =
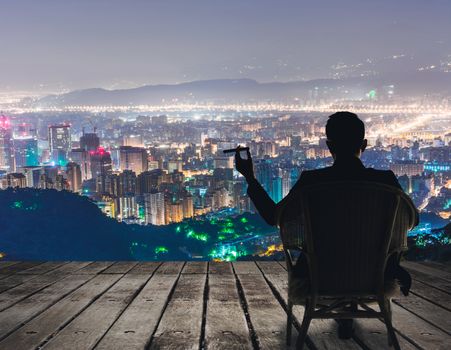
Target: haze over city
{"type": "Point", "coordinates": [57, 46]}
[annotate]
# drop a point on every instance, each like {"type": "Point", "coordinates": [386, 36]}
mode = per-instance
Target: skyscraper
{"type": "Point", "coordinates": [133, 158]}
{"type": "Point", "coordinates": [100, 162]}
{"type": "Point", "coordinates": [6, 145]}
{"type": "Point", "coordinates": [73, 172]}
{"type": "Point", "coordinates": [154, 205]}
{"type": "Point", "coordinates": [59, 143]}
{"type": "Point", "coordinates": [25, 151]}
{"type": "Point", "coordinates": [89, 141]}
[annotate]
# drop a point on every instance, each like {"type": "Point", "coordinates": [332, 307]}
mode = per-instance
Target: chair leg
{"type": "Point", "coordinates": [289, 321]}
{"type": "Point", "coordinates": [386, 311]}
{"type": "Point", "coordinates": [304, 327]}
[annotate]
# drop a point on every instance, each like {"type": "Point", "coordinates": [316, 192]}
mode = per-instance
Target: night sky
{"type": "Point", "coordinates": [52, 44]}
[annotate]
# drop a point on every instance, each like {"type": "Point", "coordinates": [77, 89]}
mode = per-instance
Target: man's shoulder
{"type": "Point", "coordinates": [386, 177]}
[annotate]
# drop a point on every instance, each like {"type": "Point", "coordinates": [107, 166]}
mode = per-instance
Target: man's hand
{"type": "Point", "coordinates": [244, 166]}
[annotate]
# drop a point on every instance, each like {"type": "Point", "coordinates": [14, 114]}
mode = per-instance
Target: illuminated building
{"type": "Point", "coordinates": [407, 167]}
{"type": "Point", "coordinates": [6, 145]}
{"type": "Point", "coordinates": [187, 206]}
{"type": "Point", "coordinates": [160, 120]}
{"type": "Point", "coordinates": [223, 162]}
{"type": "Point", "coordinates": [59, 143]}
{"type": "Point", "coordinates": [32, 174]}
{"type": "Point", "coordinates": [148, 181]}
{"type": "Point", "coordinates": [133, 141]}
{"type": "Point", "coordinates": [175, 165]}
{"type": "Point", "coordinates": [100, 161]}
{"type": "Point", "coordinates": [154, 208]}
{"type": "Point", "coordinates": [73, 173]}
{"type": "Point", "coordinates": [61, 183]}
{"type": "Point", "coordinates": [133, 158]}
{"type": "Point", "coordinates": [276, 189]}
{"type": "Point", "coordinates": [89, 142]}
{"type": "Point", "coordinates": [264, 174]}
{"type": "Point", "coordinates": [25, 151]}
{"type": "Point", "coordinates": [127, 183]}
{"type": "Point", "coordinates": [176, 212]}
{"type": "Point", "coordinates": [127, 207]}
{"type": "Point", "coordinates": [101, 168]}
{"type": "Point", "coordinates": [15, 180]}
{"type": "Point", "coordinates": [82, 158]}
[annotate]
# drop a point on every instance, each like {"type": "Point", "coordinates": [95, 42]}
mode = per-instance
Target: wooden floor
{"type": "Point", "coordinates": [193, 305]}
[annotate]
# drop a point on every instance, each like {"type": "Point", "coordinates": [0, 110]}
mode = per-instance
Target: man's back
{"type": "Point", "coordinates": [347, 170]}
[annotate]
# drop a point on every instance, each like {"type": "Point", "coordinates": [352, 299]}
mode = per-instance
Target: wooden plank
{"type": "Point", "coordinates": [180, 326]}
{"type": "Point", "coordinates": [195, 267]}
{"type": "Point", "coordinates": [434, 264]}
{"type": "Point", "coordinates": [45, 325]}
{"type": "Point", "coordinates": [43, 268]}
{"type": "Point", "coordinates": [94, 268]}
{"type": "Point", "coordinates": [13, 281]}
{"type": "Point", "coordinates": [220, 268]}
{"type": "Point", "coordinates": [271, 267]}
{"type": "Point", "coordinates": [419, 331]}
{"type": "Point", "coordinates": [121, 267]}
{"type": "Point", "coordinates": [431, 294]}
{"type": "Point", "coordinates": [434, 314]}
{"type": "Point", "coordinates": [24, 290]}
{"type": "Point", "coordinates": [13, 317]}
{"type": "Point", "coordinates": [266, 315]}
{"type": "Point", "coordinates": [89, 327]}
{"type": "Point", "coordinates": [431, 281]}
{"type": "Point", "coordinates": [373, 334]}
{"type": "Point", "coordinates": [427, 270]}
{"type": "Point", "coordinates": [170, 268]}
{"type": "Point", "coordinates": [323, 333]}
{"type": "Point", "coordinates": [135, 326]}
{"type": "Point", "coordinates": [68, 268]}
{"type": "Point", "coordinates": [245, 267]}
{"type": "Point", "coordinates": [145, 267]}
{"type": "Point", "coordinates": [226, 325]}
{"type": "Point", "coordinates": [15, 268]}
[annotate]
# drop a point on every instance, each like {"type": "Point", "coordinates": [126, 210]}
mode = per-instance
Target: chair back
{"type": "Point", "coordinates": [347, 230]}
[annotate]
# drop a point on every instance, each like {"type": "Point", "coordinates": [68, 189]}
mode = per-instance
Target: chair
{"type": "Point", "coordinates": [346, 232]}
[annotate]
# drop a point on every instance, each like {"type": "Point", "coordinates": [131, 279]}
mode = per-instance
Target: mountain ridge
{"type": "Point", "coordinates": [248, 90]}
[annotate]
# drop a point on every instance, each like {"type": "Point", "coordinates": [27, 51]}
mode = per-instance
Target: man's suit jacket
{"type": "Point", "coordinates": [342, 170]}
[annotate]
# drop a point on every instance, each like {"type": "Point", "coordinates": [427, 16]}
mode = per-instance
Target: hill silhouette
{"type": "Point", "coordinates": [59, 225]}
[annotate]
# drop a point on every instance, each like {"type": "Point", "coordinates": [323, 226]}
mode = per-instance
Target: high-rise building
{"type": "Point", "coordinates": [73, 172]}
{"type": "Point", "coordinates": [175, 165]}
{"type": "Point", "coordinates": [176, 212]}
{"type": "Point", "coordinates": [83, 158]}
{"type": "Point", "coordinates": [26, 151]}
{"type": "Point", "coordinates": [133, 158]}
{"type": "Point", "coordinates": [101, 168]}
{"type": "Point", "coordinates": [407, 167]}
{"type": "Point", "coordinates": [223, 162]}
{"type": "Point", "coordinates": [127, 207]}
{"type": "Point", "coordinates": [89, 142]}
{"type": "Point", "coordinates": [133, 140]}
{"type": "Point", "coordinates": [15, 180]}
{"type": "Point", "coordinates": [187, 206]}
{"type": "Point", "coordinates": [59, 143]}
{"type": "Point", "coordinates": [6, 145]}
{"type": "Point", "coordinates": [100, 161]}
{"type": "Point", "coordinates": [154, 206]}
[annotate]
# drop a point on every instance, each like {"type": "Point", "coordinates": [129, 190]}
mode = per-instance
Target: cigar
{"type": "Point", "coordinates": [233, 150]}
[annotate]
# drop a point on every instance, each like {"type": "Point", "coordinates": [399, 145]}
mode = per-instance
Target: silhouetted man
{"type": "Point", "coordinates": [346, 141]}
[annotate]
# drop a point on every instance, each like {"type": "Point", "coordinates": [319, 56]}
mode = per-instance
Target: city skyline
{"type": "Point", "coordinates": [53, 47]}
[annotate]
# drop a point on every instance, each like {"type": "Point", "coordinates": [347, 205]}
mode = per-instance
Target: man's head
{"type": "Point", "coordinates": [345, 134]}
